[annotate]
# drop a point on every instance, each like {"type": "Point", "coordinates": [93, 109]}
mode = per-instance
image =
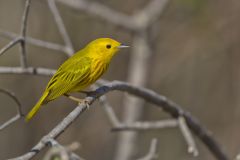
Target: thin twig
{"type": "Point", "coordinates": [19, 109]}
{"type": "Point", "coordinates": [28, 70]}
{"type": "Point", "coordinates": [23, 57]}
{"type": "Point", "coordinates": [61, 27]}
{"type": "Point", "coordinates": [132, 107]}
{"type": "Point", "coordinates": [148, 15]}
{"type": "Point", "coordinates": [10, 121]}
{"type": "Point", "coordinates": [134, 126]}
{"type": "Point", "coordinates": [101, 11]}
{"type": "Point", "coordinates": [54, 133]}
{"type": "Point", "coordinates": [105, 104]}
{"type": "Point", "coordinates": [152, 154]}
{"type": "Point", "coordinates": [9, 45]}
{"type": "Point", "coordinates": [13, 96]}
{"type": "Point", "coordinates": [62, 152]}
{"type": "Point", "coordinates": [36, 42]}
{"type": "Point", "coordinates": [192, 148]}
{"type": "Point", "coordinates": [146, 125]}
{"type": "Point", "coordinates": [109, 111]}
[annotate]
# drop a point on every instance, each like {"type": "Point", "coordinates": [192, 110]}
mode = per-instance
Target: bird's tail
{"type": "Point", "coordinates": [36, 107]}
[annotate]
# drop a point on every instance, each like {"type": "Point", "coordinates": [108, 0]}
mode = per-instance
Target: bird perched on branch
{"type": "Point", "coordinates": [79, 71]}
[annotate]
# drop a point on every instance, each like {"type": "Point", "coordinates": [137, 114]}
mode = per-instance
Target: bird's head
{"type": "Point", "coordinates": [104, 47]}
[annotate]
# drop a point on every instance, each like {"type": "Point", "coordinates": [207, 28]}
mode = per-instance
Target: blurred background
{"type": "Point", "coordinates": [192, 57]}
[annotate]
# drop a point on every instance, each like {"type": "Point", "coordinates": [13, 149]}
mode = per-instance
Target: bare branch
{"type": "Point", "coordinates": [10, 121]}
{"type": "Point", "coordinates": [29, 70]}
{"type": "Point", "coordinates": [23, 57]}
{"type": "Point", "coordinates": [170, 107]}
{"type": "Point", "coordinates": [173, 109]}
{"type": "Point", "coordinates": [147, 16]}
{"type": "Point", "coordinates": [10, 45]}
{"type": "Point", "coordinates": [132, 107]}
{"type": "Point", "coordinates": [109, 111]}
{"type": "Point", "coordinates": [19, 109]}
{"type": "Point", "coordinates": [102, 11]}
{"type": "Point", "coordinates": [36, 42]}
{"type": "Point", "coordinates": [62, 152]}
{"type": "Point", "coordinates": [61, 27]}
{"type": "Point", "coordinates": [136, 22]}
{"type": "Point", "coordinates": [136, 126]}
{"type": "Point", "coordinates": [133, 126]}
{"type": "Point", "coordinates": [64, 124]}
{"type": "Point", "coordinates": [192, 148]}
{"type": "Point", "coordinates": [152, 154]}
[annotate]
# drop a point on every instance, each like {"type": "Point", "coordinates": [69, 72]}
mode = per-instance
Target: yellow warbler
{"type": "Point", "coordinates": [79, 71]}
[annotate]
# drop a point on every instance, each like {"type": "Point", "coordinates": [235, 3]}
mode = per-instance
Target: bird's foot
{"type": "Point", "coordinates": [85, 102]}
{"type": "Point", "coordinates": [79, 101]}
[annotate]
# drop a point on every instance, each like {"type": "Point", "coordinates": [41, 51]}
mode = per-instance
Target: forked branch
{"type": "Point", "coordinates": [160, 101]}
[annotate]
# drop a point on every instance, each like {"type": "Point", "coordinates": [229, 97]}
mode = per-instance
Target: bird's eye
{"type": "Point", "coordinates": [108, 46]}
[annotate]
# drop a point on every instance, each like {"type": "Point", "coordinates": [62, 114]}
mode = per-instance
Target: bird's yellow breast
{"type": "Point", "coordinates": [98, 68]}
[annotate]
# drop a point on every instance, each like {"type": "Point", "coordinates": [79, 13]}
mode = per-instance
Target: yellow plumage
{"type": "Point", "coordinates": [79, 71]}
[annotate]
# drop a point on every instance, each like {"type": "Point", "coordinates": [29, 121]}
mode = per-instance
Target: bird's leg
{"type": "Point", "coordinates": [80, 101]}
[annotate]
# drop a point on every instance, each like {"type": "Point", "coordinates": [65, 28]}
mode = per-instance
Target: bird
{"type": "Point", "coordinates": [79, 71]}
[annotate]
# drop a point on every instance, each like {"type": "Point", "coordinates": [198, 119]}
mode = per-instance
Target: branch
{"type": "Point", "coordinates": [188, 137]}
{"type": "Point", "coordinates": [28, 70]}
{"type": "Point", "coordinates": [61, 152]}
{"type": "Point", "coordinates": [137, 22]}
{"type": "Point", "coordinates": [135, 126]}
{"type": "Point", "coordinates": [19, 109]}
{"type": "Point", "coordinates": [173, 109]}
{"type": "Point", "coordinates": [10, 45]}
{"type": "Point", "coordinates": [152, 154]}
{"type": "Point", "coordinates": [109, 111]}
{"type": "Point", "coordinates": [36, 42]}
{"type": "Point", "coordinates": [148, 15]}
{"type": "Point", "coordinates": [61, 27]}
{"type": "Point", "coordinates": [170, 107]}
{"type": "Point", "coordinates": [23, 57]}
{"type": "Point", "coordinates": [102, 11]}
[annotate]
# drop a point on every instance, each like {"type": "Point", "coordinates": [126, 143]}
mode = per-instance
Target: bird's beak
{"type": "Point", "coordinates": [123, 46]}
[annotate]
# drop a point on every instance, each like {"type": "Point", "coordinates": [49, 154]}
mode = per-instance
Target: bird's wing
{"type": "Point", "coordinates": [68, 76]}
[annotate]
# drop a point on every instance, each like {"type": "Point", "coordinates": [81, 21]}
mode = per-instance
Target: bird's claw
{"type": "Point", "coordinates": [85, 102]}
